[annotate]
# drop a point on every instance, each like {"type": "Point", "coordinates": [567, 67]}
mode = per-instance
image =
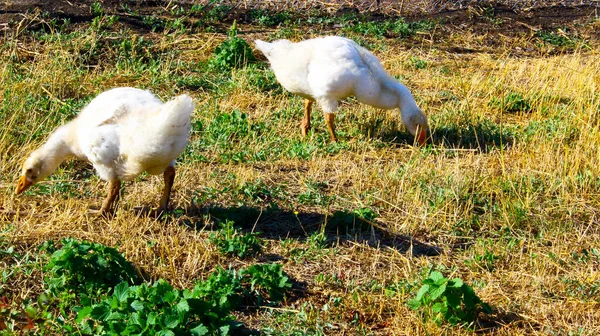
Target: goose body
{"type": "Point", "coordinates": [329, 69]}
{"type": "Point", "coordinates": [122, 132]}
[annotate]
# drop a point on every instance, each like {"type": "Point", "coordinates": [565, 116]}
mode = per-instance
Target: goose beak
{"type": "Point", "coordinates": [23, 185]}
{"type": "Point", "coordinates": [422, 137]}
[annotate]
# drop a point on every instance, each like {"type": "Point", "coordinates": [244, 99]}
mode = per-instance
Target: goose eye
{"type": "Point", "coordinates": [29, 171]}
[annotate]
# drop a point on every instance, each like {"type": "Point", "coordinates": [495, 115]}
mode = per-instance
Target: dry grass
{"type": "Point", "coordinates": [531, 200]}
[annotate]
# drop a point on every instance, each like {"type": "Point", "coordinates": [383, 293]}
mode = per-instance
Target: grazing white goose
{"type": "Point", "coordinates": [122, 132]}
{"type": "Point", "coordinates": [328, 69]}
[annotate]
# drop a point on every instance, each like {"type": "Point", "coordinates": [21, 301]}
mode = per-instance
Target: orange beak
{"type": "Point", "coordinates": [421, 137]}
{"type": "Point", "coordinates": [23, 185]}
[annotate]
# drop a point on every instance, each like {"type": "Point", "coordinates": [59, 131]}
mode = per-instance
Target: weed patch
{"type": "Point", "coordinates": [231, 242]}
{"type": "Point", "coordinates": [448, 300]}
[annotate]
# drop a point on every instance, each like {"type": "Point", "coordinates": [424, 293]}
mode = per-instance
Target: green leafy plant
{"type": "Point", "coordinates": [152, 310]}
{"type": "Point", "coordinates": [86, 266]}
{"type": "Point", "coordinates": [561, 37]}
{"type": "Point", "coordinates": [450, 300]}
{"type": "Point", "coordinates": [231, 242]}
{"type": "Point", "coordinates": [234, 52]}
{"type": "Point", "coordinates": [270, 279]}
{"type": "Point", "coordinates": [222, 289]}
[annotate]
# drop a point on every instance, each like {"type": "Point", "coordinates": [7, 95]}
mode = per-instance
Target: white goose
{"type": "Point", "coordinates": [122, 132]}
{"type": "Point", "coordinates": [328, 69]}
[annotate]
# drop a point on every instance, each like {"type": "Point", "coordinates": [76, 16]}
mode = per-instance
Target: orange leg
{"type": "Point", "coordinates": [329, 119]}
{"type": "Point", "coordinates": [169, 177]}
{"type": "Point", "coordinates": [112, 198]}
{"type": "Point", "coordinates": [305, 124]}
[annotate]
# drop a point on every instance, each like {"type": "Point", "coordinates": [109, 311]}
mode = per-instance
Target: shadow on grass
{"type": "Point", "coordinates": [491, 324]}
{"type": "Point", "coordinates": [340, 226]}
{"type": "Point", "coordinates": [483, 137]}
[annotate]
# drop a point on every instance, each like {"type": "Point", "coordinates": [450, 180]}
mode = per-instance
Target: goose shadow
{"type": "Point", "coordinates": [341, 226]}
{"type": "Point", "coordinates": [482, 137]}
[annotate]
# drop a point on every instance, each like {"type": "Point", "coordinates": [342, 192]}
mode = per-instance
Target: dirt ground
{"type": "Point", "coordinates": [515, 14]}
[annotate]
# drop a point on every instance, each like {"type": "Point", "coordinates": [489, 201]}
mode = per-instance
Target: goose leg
{"type": "Point", "coordinates": [114, 187]}
{"type": "Point", "coordinates": [305, 124]}
{"type": "Point", "coordinates": [169, 177]}
{"type": "Point", "coordinates": [329, 119]}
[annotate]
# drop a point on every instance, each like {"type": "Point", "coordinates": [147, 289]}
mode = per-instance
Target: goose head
{"type": "Point", "coordinates": [416, 124]}
{"type": "Point", "coordinates": [34, 169]}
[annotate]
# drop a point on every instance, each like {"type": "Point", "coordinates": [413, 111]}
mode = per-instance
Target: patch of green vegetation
{"type": "Point", "coordinates": [97, 9]}
{"type": "Point", "coordinates": [230, 241]}
{"type": "Point", "coordinates": [418, 63]}
{"type": "Point", "coordinates": [95, 282]}
{"type": "Point", "coordinates": [489, 13]}
{"type": "Point", "coordinates": [484, 135]}
{"type": "Point", "coordinates": [513, 102]}
{"type": "Point", "coordinates": [315, 194]}
{"type": "Point", "coordinates": [587, 291]}
{"type": "Point", "coordinates": [86, 267]}
{"type": "Point", "coordinates": [152, 310]}
{"type": "Point", "coordinates": [217, 12]}
{"type": "Point", "coordinates": [234, 52]}
{"type": "Point", "coordinates": [350, 222]}
{"type": "Point", "coordinates": [258, 192]}
{"type": "Point", "coordinates": [452, 300]}
{"type": "Point", "coordinates": [261, 79]}
{"type": "Point", "coordinates": [316, 248]}
{"type": "Point", "coordinates": [484, 261]}
{"type": "Point", "coordinates": [388, 28]}
{"type": "Point", "coordinates": [268, 281]}
{"type": "Point", "coordinates": [225, 133]}
{"type": "Point", "coordinates": [561, 37]}
{"type": "Point", "coordinates": [268, 18]}
{"type": "Point", "coordinates": [561, 130]}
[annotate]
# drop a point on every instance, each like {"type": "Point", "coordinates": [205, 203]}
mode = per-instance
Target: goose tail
{"type": "Point", "coordinates": [176, 113]}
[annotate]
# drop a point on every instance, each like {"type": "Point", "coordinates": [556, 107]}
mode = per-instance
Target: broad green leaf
{"type": "Point", "coordinates": [83, 314]}
{"type": "Point", "coordinates": [165, 333]}
{"type": "Point", "coordinates": [436, 276]}
{"type": "Point", "coordinates": [99, 312]}
{"type": "Point", "coordinates": [122, 291]}
{"type": "Point", "coordinates": [135, 319]}
{"type": "Point", "coordinates": [224, 330]}
{"type": "Point", "coordinates": [137, 305]}
{"type": "Point", "coordinates": [414, 304]}
{"type": "Point", "coordinates": [171, 321]}
{"type": "Point", "coordinates": [199, 330]}
{"type": "Point", "coordinates": [437, 292]}
{"type": "Point", "coordinates": [151, 320]}
{"type": "Point", "coordinates": [422, 292]}
{"type": "Point", "coordinates": [439, 307]}
{"type": "Point", "coordinates": [116, 316]}
{"type": "Point", "coordinates": [30, 311]}
{"type": "Point", "coordinates": [182, 306]}
{"type": "Point", "coordinates": [170, 296]}
{"type": "Point", "coordinates": [456, 283]}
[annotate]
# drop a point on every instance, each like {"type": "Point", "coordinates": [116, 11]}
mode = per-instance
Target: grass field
{"type": "Point", "coordinates": [505, 197]}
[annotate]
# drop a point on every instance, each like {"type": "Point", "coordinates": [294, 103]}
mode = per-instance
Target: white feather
{"type": "Point", "coordinates": [328, 69]}
{"type": "Point", "coordinates": [122, 132]}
